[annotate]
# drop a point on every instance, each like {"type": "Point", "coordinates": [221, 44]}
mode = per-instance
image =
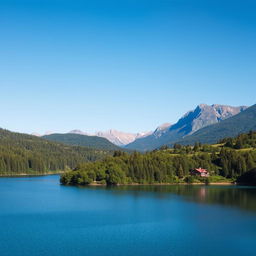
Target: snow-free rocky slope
{"type": "Point", "coordinates": [202, 116]}
{"type": "Point", "coordinates": [231, 127]}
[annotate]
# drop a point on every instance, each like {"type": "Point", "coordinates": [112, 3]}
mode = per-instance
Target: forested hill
{"type": "Point", "coordinates": [22, 153]}
{"type": "Point", "coordinates": [82, 140]}
{"type": "Point", "coordinates": [228, 160]}
{"type": "Point", "coordinates": [242, 141]}
{"type": "Point", "coordinates": [240, 123]}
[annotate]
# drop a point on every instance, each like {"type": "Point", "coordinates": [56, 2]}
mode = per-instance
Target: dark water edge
{"type": "Point", "coordinates": [38, 216]}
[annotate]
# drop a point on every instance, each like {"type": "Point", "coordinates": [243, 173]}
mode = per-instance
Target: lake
{"type": "Point", "coordinates": [40, 217]}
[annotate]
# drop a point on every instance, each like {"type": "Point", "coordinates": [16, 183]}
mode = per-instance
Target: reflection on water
{"type": "Point", "coordinates": [40, 217]}
{"type": "Point", "coordinates": [243, 197]}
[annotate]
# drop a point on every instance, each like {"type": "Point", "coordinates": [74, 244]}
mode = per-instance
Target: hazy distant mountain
{"type": "Point", "coordinates": [116, 137]}
{"type": "Point", "coordinates": [82, 140]}
{"type": "Point", "coordinates": [36, 134]}
{"type": "Point", "coordinates": [40, 135]}
{"type": "Point", "coordinates": [231, 127]}
{"type": "Point", "coordinates": [120, 138]}
{"type": "Point", "coordinates": [203, 115]}
{"type": "Point", "coordinates": [79, 132]}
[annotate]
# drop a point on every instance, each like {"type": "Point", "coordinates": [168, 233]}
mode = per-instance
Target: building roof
{"type": "Point", "coordinates": [201, 170]}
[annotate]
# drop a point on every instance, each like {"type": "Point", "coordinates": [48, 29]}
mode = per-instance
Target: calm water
{"type": "Point", "coordinates": [40, 217]}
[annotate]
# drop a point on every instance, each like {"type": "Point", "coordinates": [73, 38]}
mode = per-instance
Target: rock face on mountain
{"type": "Point", "coordinates": [203, 115]}
{"type": "Point", "coordinates": [161, 129]}
{"type": "Point", "coordinates": [231, 127]}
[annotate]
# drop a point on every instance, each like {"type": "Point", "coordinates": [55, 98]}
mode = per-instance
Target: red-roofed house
{"type": "Point", "coordinates": [200, 172]}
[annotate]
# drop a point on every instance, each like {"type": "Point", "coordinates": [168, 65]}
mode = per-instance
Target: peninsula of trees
{"type": "Point", "coordinates": [227, 160]}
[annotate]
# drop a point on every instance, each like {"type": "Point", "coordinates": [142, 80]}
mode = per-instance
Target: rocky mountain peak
{"type": "Point", "coordinates": [163, 126]}
{"type": "Point", "coordinates": [203, 115]}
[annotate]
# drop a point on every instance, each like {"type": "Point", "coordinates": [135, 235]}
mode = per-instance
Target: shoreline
{"type": "Point", "coordinates": [20, 175]}
{"type": "Point", "coordinates": [158, 184]}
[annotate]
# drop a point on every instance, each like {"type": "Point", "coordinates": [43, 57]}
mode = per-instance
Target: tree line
{"type": "Point", "coordinates": [166, 165]}
{"type": "Point", "coordinates": [247, 140]}
{"type": "Point", "coordinates": [22, 153]}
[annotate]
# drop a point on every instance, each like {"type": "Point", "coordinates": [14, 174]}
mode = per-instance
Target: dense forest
{"type": "Point", "coordinates": [168, 165]}
{"type": "Point", "coordinates": [26, 154]}
{"type": "Point", "coordinates": [247, 140]}
{"type": "Point", "coordinates": [82, 140]}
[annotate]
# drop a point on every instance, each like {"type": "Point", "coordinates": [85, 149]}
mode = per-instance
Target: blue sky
{"type": "Point", "coordinates": [129, 65]}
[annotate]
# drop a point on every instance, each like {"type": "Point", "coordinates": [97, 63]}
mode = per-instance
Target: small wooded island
{"type": "Point", "coordinates": [221, 163]}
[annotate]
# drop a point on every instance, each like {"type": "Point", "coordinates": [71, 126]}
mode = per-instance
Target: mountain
{"type": "Point", "coordinates": [120, 138]}
{"type": "Point", "coordinates": [27, 154]}
{"type": "Point", "coordinates": [161, 129]}
{"type": "Point", "coordinates": [75, 139]}
{"type": "Point", "coordinates": [40, 135]}
{"type": "Point", "coordinates": [79, 132]}
{"type": "Point", "coordinates": [116, 137]}
{"type": "Point", "coordinates": [203, 115]}
{"type": "Point", "coordinates": [36, 134]}
{"type": "Point", "coordinates": [240, 123]}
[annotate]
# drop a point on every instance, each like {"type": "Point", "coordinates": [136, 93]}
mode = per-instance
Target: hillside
{"type": "Point", "coordinates": [169, 165]}
{"type": "Point", "coordinates": [240, 123]}
{"type": "Point", "coordinates": [82, 140]}
{"type": "Point", "coordinates": [22, 153]}
{"type": "Point", "coordinates": [203, 115]}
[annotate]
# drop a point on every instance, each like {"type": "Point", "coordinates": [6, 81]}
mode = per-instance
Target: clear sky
{"type": "Point", "coordinates": [124, 64]}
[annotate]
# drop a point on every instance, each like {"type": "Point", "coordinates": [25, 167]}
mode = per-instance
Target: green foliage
{"type": "Point", "coordinates": [26, 154]}
{"type": "Point", "coordinates": [191, 179]}
{"type": "Point", "coordinates": [169, 166]}
{"type": "Point", "coordinates": [218, 178]}
{"type": "Point", "coordinates": [233, 163]}
{"type": "Point", "coordinates": [114, 174]}
{"type": "Point", "coordinates": [21, 153]}
{"type": "Point", "coordinates": [82, 140]}
{"type": "Point", "coordinates": [242, 141]}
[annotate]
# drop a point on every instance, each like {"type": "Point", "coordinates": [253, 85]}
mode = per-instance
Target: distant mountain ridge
{"type": "Point", "coordinates": [74, 139]}
{"type": "Point", "coordinates": [76, 131]}
{"type": "Point", "coordinates": [120, 138]}
{"type": "Point", "coordinates": [116, 137]}
{"type": "Point", "coordinates": [203, 115]}
{"type": "Point", "coordinates": [243, 122]}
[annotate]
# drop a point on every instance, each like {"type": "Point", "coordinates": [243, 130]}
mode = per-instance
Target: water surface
{"type": "Point", "coordinates": [40, 217]}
